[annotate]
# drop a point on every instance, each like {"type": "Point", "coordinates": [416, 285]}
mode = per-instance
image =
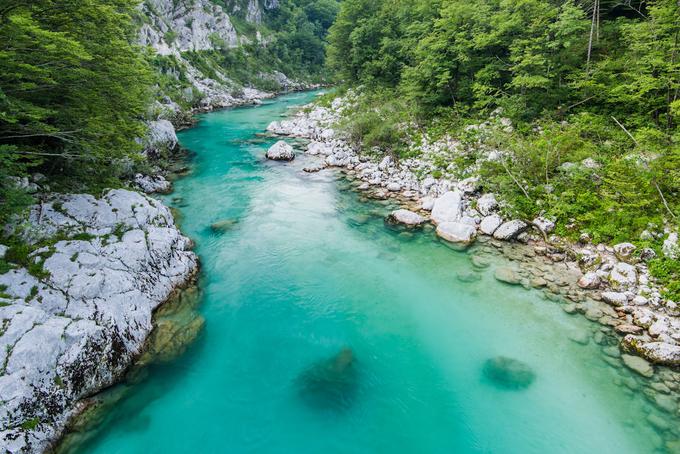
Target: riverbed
{"type": "Point", "coordinates": [301, 269]}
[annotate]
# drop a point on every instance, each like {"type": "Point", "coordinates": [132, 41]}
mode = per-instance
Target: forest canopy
{"type": "Point", "coordinates": [590, 79]}
{"type": "Point", "coordinates": [72, 88]}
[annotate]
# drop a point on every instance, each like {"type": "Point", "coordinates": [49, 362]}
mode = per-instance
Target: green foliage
{"type": "Point", "coordinates": [377, 123]}
{"type": "Point", "coordinates": [30, 424]}
{"type": "Point", "coordinates": [72, 90]}
{"type": "Point", "coordinates": [454, 63]}
{"type": "Point", "coordinates": [12, 198]}
{"type": "Point", "coordinates": [667, 271]}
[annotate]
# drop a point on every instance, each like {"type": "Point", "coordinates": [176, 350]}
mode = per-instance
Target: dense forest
{"type": "Point", "coordinates": [592, 88]}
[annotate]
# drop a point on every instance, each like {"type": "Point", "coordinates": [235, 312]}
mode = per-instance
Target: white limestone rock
{"type": "Point", "coordinates": [670, 246]}
{"type": "Point", "coordinates": [151, 184]}
{"type": "Point", "coordinates": [614, 298]}
{"type": "Point", "coordinates": [590, 280]}
{"type": "Point", "coordinates": [447, 208]}
{"type": "Point", "coordinates": [457, 232]}
{"type": "Point", "coordinates": [654, 352]}
{"type": "Point", "coordinates": [280, 151]}
{"type": "Point", "coordinates": [406, 217]}
{"type": "Point", "coordinates": [196, 25]}
{"type": "Point", "coordinates": [427, 203]}
{"type": "Point", "coordinates": [490, 223]}
{"type": "Point", "coordinates": [623, 276]}
{"type": "Point", "coordinates": [510, 230]}
{"type": "Point", "coordinates": [486, 204]}
{"type": "Point", "coordinates": [545, 225]}
{"type": "Point", "coordinates": [161, 136]}
{"type": "Point", "coordinates": [624, 250]}
{"type": "Point", "coordinates": [319, 148]}
{"type": "Point", "coordinates": [393, 186]}
{"type": "Point", "coordinates": [75, 331]}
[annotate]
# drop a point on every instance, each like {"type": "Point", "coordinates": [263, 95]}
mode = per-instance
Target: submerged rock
{"type": "Point", "coordinates": [638, 365]}
{"type": "Point", "coordinates": [224, 225]}
{"type": "Point", "coordinates": [330, 384]}
{"type": "Point", "coordinates": [468, 276]}
{"type": "Point", "coordinates": [507, 275]}
{"type": "Point", "coordinates": [508, 373]}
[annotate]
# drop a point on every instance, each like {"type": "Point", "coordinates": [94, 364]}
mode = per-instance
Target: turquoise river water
{"type": "Point", "coordinates": [310, 270]}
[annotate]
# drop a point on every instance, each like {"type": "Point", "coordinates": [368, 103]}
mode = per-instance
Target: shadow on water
{"type": "Point", "coordinates": [331, 383]}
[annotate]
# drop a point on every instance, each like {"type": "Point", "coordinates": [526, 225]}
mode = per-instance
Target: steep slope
{"type": "Point", "coordinates": [213, 54]}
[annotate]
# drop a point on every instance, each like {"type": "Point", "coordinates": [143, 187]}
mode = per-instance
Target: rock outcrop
{"type": "Point", "coordinates": [172, 28]}
{"type": "Point", "coordinates": [405, 217]}
{"type": "Point", "coordinates": [280, 151]}
{"type": "Point", "coordinates": [75, 324]}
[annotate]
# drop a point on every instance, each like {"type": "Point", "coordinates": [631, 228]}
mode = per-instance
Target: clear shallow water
{"type": "Point", "coordinates": [309, 270]}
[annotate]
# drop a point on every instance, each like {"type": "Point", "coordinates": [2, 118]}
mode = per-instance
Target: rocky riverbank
{"type": "Point", "coordinates": [77, 311]}
{"type": "Point", "coordinates": [639, 329]}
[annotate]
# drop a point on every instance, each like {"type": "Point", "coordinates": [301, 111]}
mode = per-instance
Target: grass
{"type": "Point", "coordinates": [30, 424]}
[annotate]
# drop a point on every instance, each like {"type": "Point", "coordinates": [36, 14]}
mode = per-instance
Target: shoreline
{"type": "Point", "coordinates": [603, 284]}
{"type": "Point", "coordinates": [78, 327]}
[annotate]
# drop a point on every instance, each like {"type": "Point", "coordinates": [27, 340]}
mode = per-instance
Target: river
{"type": "Point", "coordinates": [306, 270]}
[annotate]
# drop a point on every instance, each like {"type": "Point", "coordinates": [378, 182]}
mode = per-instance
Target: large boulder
{"type": "Point", "coordinates": [614, 298]}
{"type": "Point", "coordinates": [447, 208]}
{"type": "Point", "coordinates": [654, 352]}
{"type": "Point", "coordinates": [623, 276]}
{"type": "Point", "coordinates": [490, 223]}
{"type": "Point", "coordinates": [510, 230]}
{"type": "Point", "coordinates": [280, 151]}
{"type": "Point", "coordinates": [457, 232]}
{"type": "Point", "coordinates": [161, 136]}
{"type": "Point", "coordinates": [589, 281]}
{"type": "Point", "coordinates": [405, 217]}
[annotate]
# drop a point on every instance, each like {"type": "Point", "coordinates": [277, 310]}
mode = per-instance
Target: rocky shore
{"type": "Point", "coordinates": [639, 329]}
{"type": "Point", "coordinates": [77, 312]}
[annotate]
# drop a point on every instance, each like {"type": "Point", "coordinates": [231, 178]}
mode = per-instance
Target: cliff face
{"type": "Point", "coordinates": [172, 28]}
{"type": "Point", "coordinates": [176, 27]}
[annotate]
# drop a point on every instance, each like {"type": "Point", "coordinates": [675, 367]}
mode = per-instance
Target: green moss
{"type": "Point", "coordinates": [30, 424]}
